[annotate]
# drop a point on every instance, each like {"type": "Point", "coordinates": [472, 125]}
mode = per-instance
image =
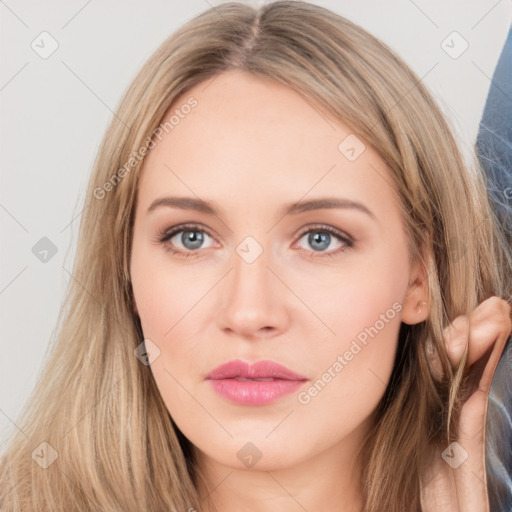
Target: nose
{"type": "Point", "coordinates": [253, 299]}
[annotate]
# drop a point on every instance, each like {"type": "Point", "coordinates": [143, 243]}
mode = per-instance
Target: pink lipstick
{"type": "Point", "coordinates": [254, 384]}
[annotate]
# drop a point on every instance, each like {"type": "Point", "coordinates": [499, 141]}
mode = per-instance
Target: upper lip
{"type": "Point", "coordinates": [257, 370]}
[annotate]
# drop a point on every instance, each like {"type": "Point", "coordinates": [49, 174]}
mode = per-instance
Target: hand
{"type": "Point", "coordinates": [456, 480]}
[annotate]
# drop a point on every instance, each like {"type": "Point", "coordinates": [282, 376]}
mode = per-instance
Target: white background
{"type": "Point", "coordinates": [54, 112]}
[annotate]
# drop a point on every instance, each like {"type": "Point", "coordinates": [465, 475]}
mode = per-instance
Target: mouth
{"type": "Point", "coordinates": [257, 380]}
{"type": "Point", "coordinates": [254, 384]}
{"type": "Point", "coordinates": [260, 370]}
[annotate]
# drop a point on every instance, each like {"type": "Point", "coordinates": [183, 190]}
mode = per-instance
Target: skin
{"type": "Point", "coordinates": [252, 146]}
{"type": "Point", "coordinates": [483, 334]}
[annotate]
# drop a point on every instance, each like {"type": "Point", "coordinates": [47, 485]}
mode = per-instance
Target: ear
{"type": "Point", "coordinates": [416, 305]}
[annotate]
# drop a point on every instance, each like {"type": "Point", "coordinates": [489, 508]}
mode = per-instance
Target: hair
{"type": "Point", "coordinates": [98, 406]}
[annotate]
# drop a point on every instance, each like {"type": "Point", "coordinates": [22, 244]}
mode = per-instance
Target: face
{"type": "Point", "coordinates": [233, 272]}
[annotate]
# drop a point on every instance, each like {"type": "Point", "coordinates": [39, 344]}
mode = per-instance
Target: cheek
{"type": "Point", "coordinates": [351, 368]}
{"type": "Point", "coordinates": [354, 299]}
{"type": "Point", "coordinates": [353, 359]}
{"type": "Point", "coordinates": [163, 295]}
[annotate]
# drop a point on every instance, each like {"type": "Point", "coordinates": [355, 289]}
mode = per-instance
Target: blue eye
{"type": "Point", "coordinates": [320, 238]}
{"type": "Point", "coordinates": [192, 237]}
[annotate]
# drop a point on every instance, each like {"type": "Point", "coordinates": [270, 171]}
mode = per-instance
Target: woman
{"type": "Point", "coordinates": [247, 366]}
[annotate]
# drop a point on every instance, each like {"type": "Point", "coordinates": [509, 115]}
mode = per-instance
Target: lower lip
{"type": "Point", "coordinates": [252, 392]}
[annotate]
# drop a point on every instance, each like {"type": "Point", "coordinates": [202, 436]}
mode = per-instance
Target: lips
{"type": "Point", "coordinates": [260, 370]}
{"type": "Point", "coordinates": [254, 384]}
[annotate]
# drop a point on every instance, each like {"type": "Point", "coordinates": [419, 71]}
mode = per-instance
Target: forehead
{"type": "Point", "coordinates": [246, 135]}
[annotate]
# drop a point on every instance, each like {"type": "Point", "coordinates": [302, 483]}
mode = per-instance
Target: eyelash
{"type": "Point", "coordinates": [164, 236]}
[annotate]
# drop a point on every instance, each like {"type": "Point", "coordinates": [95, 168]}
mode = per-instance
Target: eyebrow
{"type": "Point", "coordinates": [208, 207]}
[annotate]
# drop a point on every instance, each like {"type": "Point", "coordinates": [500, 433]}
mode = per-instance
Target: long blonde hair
{"type": "Point", "coordinates": [98, 407]}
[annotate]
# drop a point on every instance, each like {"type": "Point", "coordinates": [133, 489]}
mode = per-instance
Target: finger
{"type": "Point", "coordinates": [436, 368]}
{"type": "Point", "coordinates": [490, 327]}
{"type": "Point", "coordinates": [456, 336]}
{"type": "Point", "coordinates": [489, 322]}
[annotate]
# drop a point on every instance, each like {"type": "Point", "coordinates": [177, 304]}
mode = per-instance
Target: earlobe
{"type": "Point", "coordinates": [416, 303]}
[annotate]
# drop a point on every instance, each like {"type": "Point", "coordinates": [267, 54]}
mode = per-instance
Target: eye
{"type": "Point", "coordinates": [187, 239]}
{"type": "Point", "coordinates": [321, 237]}
{"type": "Point", "coordinates": [191, 237]}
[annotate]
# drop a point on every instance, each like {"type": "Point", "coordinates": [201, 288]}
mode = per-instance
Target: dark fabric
{"type": "Point", "coordinates": [494, 147]}
{"type": "Point", "coordinates": [494, 142]}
